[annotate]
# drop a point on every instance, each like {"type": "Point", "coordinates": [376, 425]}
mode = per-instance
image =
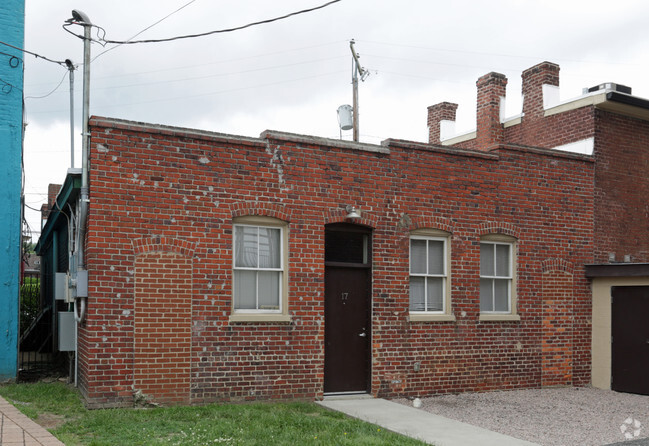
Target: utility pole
{"type": "Point", "coordinates": [81, 273]}
{"type": "Point", "coordinates": [356, 71]}
{"type": "Point", "coordinates": [78, 273]}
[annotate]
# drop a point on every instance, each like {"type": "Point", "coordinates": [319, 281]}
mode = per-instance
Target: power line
{"type": "Point", "coordinates": [59, 62]}
{"type": "Point", "coordinates": [223, 61]}
{"type": "Point", "coordinates": [227, 30]}
{"type": "Point", "coordinates": [212, 93]}
{"type": "Point", "coordinates": [51, 92]}
{"type": "Point", "coordinates": [145, 29]}
{"type": "Point", "coordinates": [481, 53]}
{"type": "Point", "coordinates": [7, 87]}
{"type": "Point", "coordinates": [230, 73]}
{"type": "Point", "coordinates": [202, 95]}
{"type": "Point", "coordinates": [219, 62]}
{"type": "Point", "coordinates": [29, 207]}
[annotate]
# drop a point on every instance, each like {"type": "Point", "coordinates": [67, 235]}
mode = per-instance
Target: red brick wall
{"type": "Point", "coordinates": [549, 132]}
{"type": "Point", "coordinates": [557, 333]}
{"type": "Point", "coordinates": [533, 79]}
{"type": "Point", "coordinates": [621, 154]}
{"type": "Point", "coordinates": [555, 130]}
{"type": "Point", "coordinates": [621, 195]}
{"type": "Point", "coordinates": [491, 88]}
{"type": "Point", "coordinates": [534, 130]}
{"type": "Point", "coordinates": [157, 183]}
{"type": "Point", "coordinates": [444, 111]}
{"type": "Point", "coordinates": [162, 334]}
{"type": "Point", "coordinates": [477, 196]}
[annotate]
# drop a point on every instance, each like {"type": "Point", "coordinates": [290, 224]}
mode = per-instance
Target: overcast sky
{"type": "Point", "coordinates": [291, 75]}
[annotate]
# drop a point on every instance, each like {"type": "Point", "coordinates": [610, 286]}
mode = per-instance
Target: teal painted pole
{"type": "Point", "coordinates": [12, 31]}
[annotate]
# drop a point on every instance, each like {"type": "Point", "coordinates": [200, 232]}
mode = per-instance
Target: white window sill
{"type": "Point", "coordinates": [486, 317]}
{"type": "Point", "coordinates": [260, 317]}
{"type": "Point", "coordinates": [416, 317]}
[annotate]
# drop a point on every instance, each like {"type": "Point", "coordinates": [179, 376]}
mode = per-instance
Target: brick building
{"type": "Point", "coordinates": [288, 266]}
{"type": "Point", "coordinates": [612, 126]}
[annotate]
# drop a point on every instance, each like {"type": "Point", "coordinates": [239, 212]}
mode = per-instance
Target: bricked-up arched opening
{"type": "Point", "coordinates": [557, 332]}
{"type": "Point", "coordinates": [162, 326]}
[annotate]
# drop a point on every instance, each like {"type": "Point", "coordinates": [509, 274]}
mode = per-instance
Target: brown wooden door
{"type": "Point", "coordinates": [630, 339]}
{"type": "Point", "coordinates": [347, 333]}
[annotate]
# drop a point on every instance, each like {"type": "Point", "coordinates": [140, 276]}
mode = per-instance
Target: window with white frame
{"type": "Point", "coordinates": [496, 276]}
{"type": "Point", "coordinates": [258, 268]}
{"type": "Point", "coordinates": [428, 274]}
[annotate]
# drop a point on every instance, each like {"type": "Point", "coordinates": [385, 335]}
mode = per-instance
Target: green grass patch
{"type": "Point", "coordinates": [216, 424]}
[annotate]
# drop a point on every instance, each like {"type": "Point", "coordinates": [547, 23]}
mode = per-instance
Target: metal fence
{"type": "Point", "coordinates": [36, 358]}
{"type": "Point", "coordinates": [30, 301]}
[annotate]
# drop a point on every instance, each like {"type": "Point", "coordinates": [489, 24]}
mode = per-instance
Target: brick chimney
{"type": "Point", "coordinates": [444, 111]}
{"type": "Point", "coordinates": [46, 209]}
{"type": "Point", "coordinates": [52, 192]}
{"type": "Point", "coordinates": [545, 73]}
{"type": "Point", "coordinates": [45, 213]}
{"type": "Point", "coordinates": [490, 131]}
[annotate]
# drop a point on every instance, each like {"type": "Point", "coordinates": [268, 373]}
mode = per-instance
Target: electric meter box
{"type": "Point", "coordinates": [67, 336]}
{"type": "Point", "coordinates": [61, 286]}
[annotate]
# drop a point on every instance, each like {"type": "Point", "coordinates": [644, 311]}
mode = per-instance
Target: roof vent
{"type": "Point", "coordinates": [609, 86]}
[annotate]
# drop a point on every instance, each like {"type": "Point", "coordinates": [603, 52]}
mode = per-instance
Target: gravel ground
{"type": "Point", "coordinates": [550, 417]}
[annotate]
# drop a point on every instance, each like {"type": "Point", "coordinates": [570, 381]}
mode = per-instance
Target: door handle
{"type": "Point", "coordinates": [362, 335]}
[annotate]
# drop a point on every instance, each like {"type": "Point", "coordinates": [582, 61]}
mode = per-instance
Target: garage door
{"type": "Point", "coordinates": [630, 339]}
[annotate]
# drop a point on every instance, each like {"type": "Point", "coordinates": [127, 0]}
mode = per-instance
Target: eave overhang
{"type": "Point", "coordinates": [68, 194]}
{"type": "Point", "coordinates": [617, 270]}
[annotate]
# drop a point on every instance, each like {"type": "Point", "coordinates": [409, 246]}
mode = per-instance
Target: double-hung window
{"type": "Point", "coordinates": [258, 268]}
{"type": "Point", "coordinates": [428, 274]}
{"type": "Point", "coordinates": [496, 276]}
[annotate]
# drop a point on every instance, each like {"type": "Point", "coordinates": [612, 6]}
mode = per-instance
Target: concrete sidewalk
{"type": "Point", "coordinates": [419, 424]}
{"type": "Point", "coordinates": [17, 429]}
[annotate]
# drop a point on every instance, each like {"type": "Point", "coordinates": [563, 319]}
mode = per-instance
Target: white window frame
{"type": "Point", "coordinates": [445, 313]}
{"type": "Point", "coordinates": [509, 314]}
{"type": "Point", "coordinates": [279, 314]}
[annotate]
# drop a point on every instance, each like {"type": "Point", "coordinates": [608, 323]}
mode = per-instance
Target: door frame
{"type": "Point", "coordinates": [367, 265]}
{"type": "Point", "coordinates": [604, 277]}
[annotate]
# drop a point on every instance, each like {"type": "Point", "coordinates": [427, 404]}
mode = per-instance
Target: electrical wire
{"type": "Point", "coordinates": [38, 56]}
{"type": "Point", "coordinates": [29, 207]}
{"type": "Point", "coordinates": [202, 95]}
{"type": "Point", "coordinates": [427, 62]}
{"type": "Point", "coordinates": [105, 41]}
{"type": "Point", "coordinates": [223, 61]}
{"type": "Point", "coordinates": [12, 58]}
{"type": "Point", "coordinates": [14, 62]}
{"type": "Point", "coordinates": [145, 29]}
{"type": "Point", "coordinates": [7, 87]}
{"type": "Point", "coordinates": [211, 76]}
{"type": "Point", "coordinates": [429, 78]}
{"type": "Point", "coordinates": [51, 92]}
{"type": "Point", "coordinates": [219, 92]}
{"type": "Point", "coordinates": [481, 53]}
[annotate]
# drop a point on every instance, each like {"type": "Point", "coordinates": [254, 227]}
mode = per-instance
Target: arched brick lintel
{"type": "Point", "coordinates": [439, 223]}
{"type": "Point", "coordinates": [275, 210]}
{"type": "Point", "coordinates": [163, 244]}
{"type": "Point", "coordinates": [491, 227]}
{"type": "Point", "coordinates": [557, 265]}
